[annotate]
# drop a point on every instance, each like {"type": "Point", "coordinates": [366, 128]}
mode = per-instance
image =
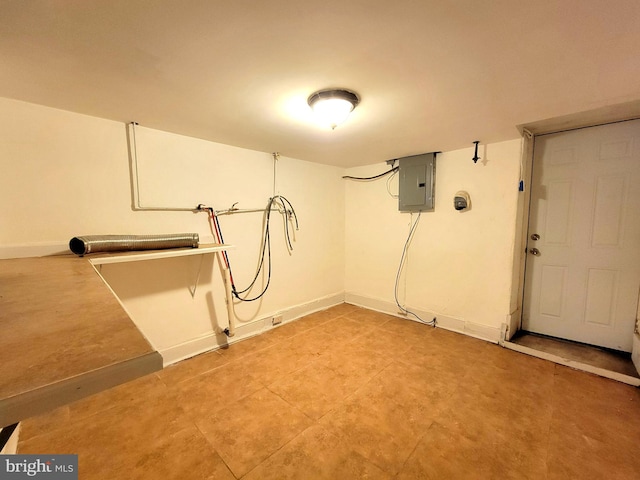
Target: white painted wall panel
{"type": "Point", "coordinates": [65, 174]}
{"type": "Point", "coordinates": [460, 264]}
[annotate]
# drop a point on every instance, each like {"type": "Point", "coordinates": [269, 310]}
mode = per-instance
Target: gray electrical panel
{"type": "Point", "coordinates": [417, 179]}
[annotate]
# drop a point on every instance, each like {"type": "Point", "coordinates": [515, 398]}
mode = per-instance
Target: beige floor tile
{"type": "Point", "coordinates": [246, 347]}
{"type": "Point", "coordinates": [488, 412]}
{"type": "Point", "coordinates": [385, 419]}
{"type": "Point", "coordinates": [516, 366]}
{"type": "Point", "coordinates": [454, 364]}
{"type": "Point", "coordinates": [314, 341]}
{"type": "Point", "coordinates": [346, 328]}
{"type": "Point", "coordinates": [249, 431]}
{"type": "Point", "coordinates": [205, 394]}
{"type": "Point", "coordinates": [489, 403]}
{"type": "Point", "coordinates": [355, 360]}
{"type": "Point", "coordinates": [574, 455]}
{"type": "Point", "coordinates": [316, 388]}
{"type": "Point", "coordinates": [45, 423]}
{"type": "Point", "coordinates": [176, 455]}
{"type": "Point", "coordinates": [184, 455]}
{"type": "Point", "coordinates": [445, 454]}
{"type": "Point", "coordinates": [485, 417]}
{"type": "Point", "coordinates": [352, 394]}
{"type": "Point", "coordinates": [288, 330]}
{"type": "Point", "coordinates": [506, 421]}
{"type": "Point", "coordinates": [121, 396]}
{"type": "Point", "coordinates": [301, 325]}
{"type": "Point", "coordinates": [528, 379]}
{"type": "Point", "coordinates": [320, 340]}
{"type": "Point", "coordinates": [382, 342]}
{"type": "Point", "coordinates": [316, 454]}
{"type": "Point", "coordinates": [596, 423]}
{"type": "Point", "coordinates": [274, 363]}
{"type": "Point", "coordinates": [586, 386]}
{"type": "Point", "coordinates": [115, 441]}
{"type": "Point", "coordinates": [600, 408]}
{"type": "Point", "coordinates": [129, 393]}
{"type": "Point", "coordinates": [192, 367]}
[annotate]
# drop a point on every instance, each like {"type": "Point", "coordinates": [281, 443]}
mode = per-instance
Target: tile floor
{"type": "Point", "coordinates": [349, 393]}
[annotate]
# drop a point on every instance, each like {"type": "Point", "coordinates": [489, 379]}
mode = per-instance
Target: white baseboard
{"type": "Point", "coordinates": [476, 330]}
{"type": "Point", "coordinates": [213, 341]}
{"type": "Point", "coordinates": [210, 341]}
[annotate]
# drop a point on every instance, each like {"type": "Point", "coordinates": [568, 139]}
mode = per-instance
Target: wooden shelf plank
{"type": "Point", "coordinates": [122, 257]}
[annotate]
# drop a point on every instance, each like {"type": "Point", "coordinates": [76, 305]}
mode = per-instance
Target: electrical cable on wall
{"type": "Point", "coordinates": [393, 195]}
{"type": "Point", "coordinates": [375, 177]}
{"type": "Point", "coordinates": [403, 258]}
{"type": "Point", "coordinates": [283, 206]}
{"type": "Point", "coordinates": [393, 171]}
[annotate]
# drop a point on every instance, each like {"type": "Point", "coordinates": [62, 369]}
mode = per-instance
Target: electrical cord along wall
{"type": "Point", "coordinates": [393, 171]}
{"type": "Point", "coordinates": [282, 205]}
{"type": "Point", "coordinates": [403, 259]}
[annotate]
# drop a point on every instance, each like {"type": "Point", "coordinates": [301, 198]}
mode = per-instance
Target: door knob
{"type": "Point", "coordinates": [534, 251]}
{"type": "Point", "coordinates": [535, 236]}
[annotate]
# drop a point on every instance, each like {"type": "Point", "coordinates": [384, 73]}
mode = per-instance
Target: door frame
{"type": "Point", "coordinates": [592, 118]}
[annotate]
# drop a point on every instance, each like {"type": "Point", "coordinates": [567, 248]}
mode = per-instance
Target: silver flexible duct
{"type": "Point", "coordinates": [117, 243]}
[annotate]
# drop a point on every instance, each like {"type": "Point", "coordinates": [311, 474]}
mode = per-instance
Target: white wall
{"type": "Point", "coordinates": [65, 174]}
{"type": "Point", "coordinates": [460, 263]}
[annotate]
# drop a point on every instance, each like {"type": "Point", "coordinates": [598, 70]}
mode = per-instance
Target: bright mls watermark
{"type": "Point", "coordinates": [50, 467]}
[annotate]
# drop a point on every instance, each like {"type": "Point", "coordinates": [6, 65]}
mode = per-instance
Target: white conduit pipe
{"type": "Point", "coordinates": [276, 157]}
{"type": "Point", "coordinates": [135, 180]}
{"type": "Point", "coordinates": [231, 211]}
{"type": "Point", "coordinates": [231, 331]}
{"type": "Point", "coordinates": [136, 205]}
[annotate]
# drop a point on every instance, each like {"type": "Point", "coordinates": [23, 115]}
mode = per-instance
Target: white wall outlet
{"type": "Point", "coordinates": [276, 320]}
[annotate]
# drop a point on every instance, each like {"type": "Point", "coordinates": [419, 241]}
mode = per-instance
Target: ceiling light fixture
{"type": "Point", "coordinates": [332, 107]}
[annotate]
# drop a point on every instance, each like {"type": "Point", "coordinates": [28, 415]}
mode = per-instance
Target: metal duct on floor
{"type": "Point", "coordinates": [117, 243]}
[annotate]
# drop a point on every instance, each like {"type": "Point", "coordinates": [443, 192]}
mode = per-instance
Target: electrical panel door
{"type": "Point", "coordinates": [417, 183]}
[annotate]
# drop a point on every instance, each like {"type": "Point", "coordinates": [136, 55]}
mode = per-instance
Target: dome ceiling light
{"type": "Point", "coordinates": [332, 107]}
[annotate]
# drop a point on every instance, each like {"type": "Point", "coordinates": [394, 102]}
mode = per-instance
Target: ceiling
{"type": "Point", "coordinates": [433, 75]}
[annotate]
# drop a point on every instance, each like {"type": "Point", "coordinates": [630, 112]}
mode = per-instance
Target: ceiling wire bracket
{"type": "Point", "coordinates": [276, 157]}
{"type": "Point", "coordinates": [475, 156]}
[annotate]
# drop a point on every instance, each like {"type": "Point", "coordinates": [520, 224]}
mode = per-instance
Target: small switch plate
{"type": "Point", "coordinates": [276, 320]}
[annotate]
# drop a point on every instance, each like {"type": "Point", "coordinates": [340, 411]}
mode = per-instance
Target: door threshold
{"type": "Point", "coordinates": [575, 364]}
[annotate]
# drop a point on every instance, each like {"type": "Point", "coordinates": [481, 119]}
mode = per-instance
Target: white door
{"type": "Point", "coordinates": [583, 263]}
